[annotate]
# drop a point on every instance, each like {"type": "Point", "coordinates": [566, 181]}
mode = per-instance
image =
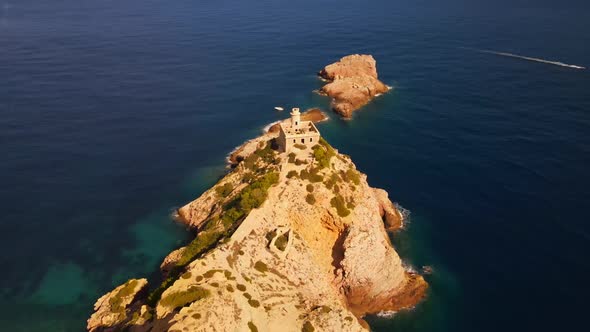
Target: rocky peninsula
{"type": "Point", "coordinates": [286, 241]}
{"type": "Point", "coordinates": [353, 82]}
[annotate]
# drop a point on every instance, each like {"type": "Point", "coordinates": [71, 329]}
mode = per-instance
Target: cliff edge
{"type": "Point", "coordinates": [286, 242]}
{"type": "Point", "coordinates": [353, 82]}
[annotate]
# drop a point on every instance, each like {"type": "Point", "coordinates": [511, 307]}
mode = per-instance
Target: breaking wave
{"type": "Point", "coordinates": [386, 314]}
{"type": "Point", "coordinates": [267, 127]}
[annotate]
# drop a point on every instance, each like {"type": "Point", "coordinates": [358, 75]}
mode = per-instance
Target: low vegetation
{"type": "Point", "coordinates": [310, 199]}
{"type": "Point", "coordinates": [264, 154]}
{"type": "Point", "coordinates": [260, 267]}
{"type": "Point", "coordinates": [300, 146]}
{"type": "Point", "coordinates": [116, 301]}
{"type": "Point", "coordinates": [309, 187]}
{"type": "Point", "coordinates": [340, 205]}
{"type": "Point", "coordinates": [332, 181]}
{"type": "Point", "coordinates": [224, 190]}
{"type": "Point", "coordinates": [182, 299]}
{"type": "Point", "coordinates": [216, 229]}
{"type": "Point", "coordinates": [311, 175]}
{"type": "Point", "coordinates": [351, 176]}
{"type": "Point", "coordinates": [282, 241]}
{"type": "Point", "coordinates": [252, 327]}
{"type": "Point", "coordinates": [307, 327]}
{"type": "Point", "coordinates": [322, 153]}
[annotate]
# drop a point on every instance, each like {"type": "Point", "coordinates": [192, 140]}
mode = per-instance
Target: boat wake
{"type": "Point", "coordinates": [522, 57]}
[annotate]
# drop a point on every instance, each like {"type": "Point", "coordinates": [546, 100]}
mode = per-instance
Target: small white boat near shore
{"type": "Point", "coordinates": [279, 108]}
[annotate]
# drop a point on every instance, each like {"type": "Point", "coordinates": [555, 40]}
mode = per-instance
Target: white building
{"type": "Point", "coordinates": [297, 132]}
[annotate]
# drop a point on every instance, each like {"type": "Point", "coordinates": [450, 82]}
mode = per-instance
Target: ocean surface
{"type": "Point", "coordinates": [114, 113]}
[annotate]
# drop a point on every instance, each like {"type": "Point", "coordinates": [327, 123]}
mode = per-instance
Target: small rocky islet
{"type": "Point", "coordinates": [292, 238]}
{"type": "Point", "coordinates": [352, 83]}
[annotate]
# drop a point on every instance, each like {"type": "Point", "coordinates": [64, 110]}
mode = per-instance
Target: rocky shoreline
{"type": "Point", "coordinates": [285, 242]}
{"type": "Point", "coordinates": [352, 83]}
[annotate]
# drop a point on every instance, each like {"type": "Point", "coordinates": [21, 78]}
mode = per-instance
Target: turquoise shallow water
{"type": "Point", "coordinates": [115, 113]}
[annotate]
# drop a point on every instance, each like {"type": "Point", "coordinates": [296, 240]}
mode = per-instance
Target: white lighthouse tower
{"type": "Point", "coordinates": [295, 118]}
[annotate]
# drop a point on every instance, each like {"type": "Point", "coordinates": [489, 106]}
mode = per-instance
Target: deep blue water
{"type": "Point", "coordinates": [113, 113]}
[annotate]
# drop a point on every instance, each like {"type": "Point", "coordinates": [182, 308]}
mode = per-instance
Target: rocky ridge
{"type": "Point", "coordinates": [353, 82]}
{"type": "Point", "coordinates": [286, 242]}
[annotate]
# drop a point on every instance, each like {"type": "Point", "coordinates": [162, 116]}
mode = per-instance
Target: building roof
{"type": "Point", "coordinates": [305, 128]}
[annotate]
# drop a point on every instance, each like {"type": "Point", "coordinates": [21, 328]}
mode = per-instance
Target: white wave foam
{"type": "Point", "coordinates": [386, 314]}
{"type": "Point", "coordinates": [267, 127]}
{"type": "Point", "coordinates": [409, 268]}
{"type": "Point", "coordinates": [528, 58]}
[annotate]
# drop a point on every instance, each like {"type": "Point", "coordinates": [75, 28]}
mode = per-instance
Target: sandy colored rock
{"type": "Point", "coordinates": [293, 262]}
{"type": "Point", "coordinates": [353, 82]}
{"type": "Point", "coordinates": [392, 217]}
{"type": "Point", "coordinates": [112, 309]}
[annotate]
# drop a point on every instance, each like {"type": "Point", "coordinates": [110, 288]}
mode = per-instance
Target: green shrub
{"type": "Point", "coordinates": [310, 199]}
{"type": "Point", "coordinates": [250, 162]}
{"type": "Point", "coordinates": [340, 205]}
{"type": "Point", "coordinates": [351, 176]}
{"type": "Point", "coordinates": [281, 242]}
{"type": "Point", "coordinates": [260, 266]}
{"type": "Point", "coordinates": [300, 146]}
{"type": "Point", "coordinates": [254, 303]}
{"type": "Point", "coordinates": [204, 241]}
{"type": "Point", "coordinates": [300, 162]}
{"type": "Point", "coordinates": [292, 156]}
{"type": "Point", "coordinates": [311, 175]}
{"type": "Point", "coordinates": [307, 327]}
{"type": "Point", "coordinates": [241, 287]}
{"type": "Point", "coordinates": [211, 273]}
{"type": "Point", "coordinates": [322, 153]}
{"type": "Point", "coordinates": [291, 174]}
{"type": "Point", "coordinates": [252, 327]}
{"type": "Point", "coordinates": [182, 299]}
{"type": "Point", "coordinates": [116, 302]}
{"type": "Point", "coordinates": [309, 187]}
{"type": "Point", "coordinates": [225, 190]}
{"type": "Point", "coordinates": [248, 177]}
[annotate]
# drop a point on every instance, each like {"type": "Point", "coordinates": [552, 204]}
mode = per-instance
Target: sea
{"type": "Point", "coordinates": [115, 113]}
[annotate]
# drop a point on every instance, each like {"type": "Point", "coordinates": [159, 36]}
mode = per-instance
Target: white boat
{"type": "Point", "coordinates": [279, 108]}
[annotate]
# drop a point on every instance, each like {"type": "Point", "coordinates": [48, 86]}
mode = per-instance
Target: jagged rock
{"type": "Point", "coordinates": [111, 310]}
{"type": "Point", "coordinates": [353, 83]}
{"type": "Point", "coordinates": [334, 265]}
{"type": "Point", "coordinates": [391, 216]}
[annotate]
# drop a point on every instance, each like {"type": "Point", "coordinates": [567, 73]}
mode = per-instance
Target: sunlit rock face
{"type": "Point", "coordinates": [353, 82]}
{"type": "Point", "coordinates": [299, 242]}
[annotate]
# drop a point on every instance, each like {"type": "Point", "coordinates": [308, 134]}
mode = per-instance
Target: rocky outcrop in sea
{"type": "Point", "coordinates": [353, 82]}
{"type": "Point", "coordinates": [285, 242]}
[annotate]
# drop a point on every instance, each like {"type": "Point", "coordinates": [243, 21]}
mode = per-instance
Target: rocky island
{"type": "Point", "coordinates": [353, 82]}
{"type": "Point", "coordinates": [293, 238]}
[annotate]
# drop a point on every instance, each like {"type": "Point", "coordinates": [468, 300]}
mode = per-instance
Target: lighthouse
{"type": "Point", "coordinates": [295, 118]}
{"type": "Point", "coordinates": [296, 133]}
